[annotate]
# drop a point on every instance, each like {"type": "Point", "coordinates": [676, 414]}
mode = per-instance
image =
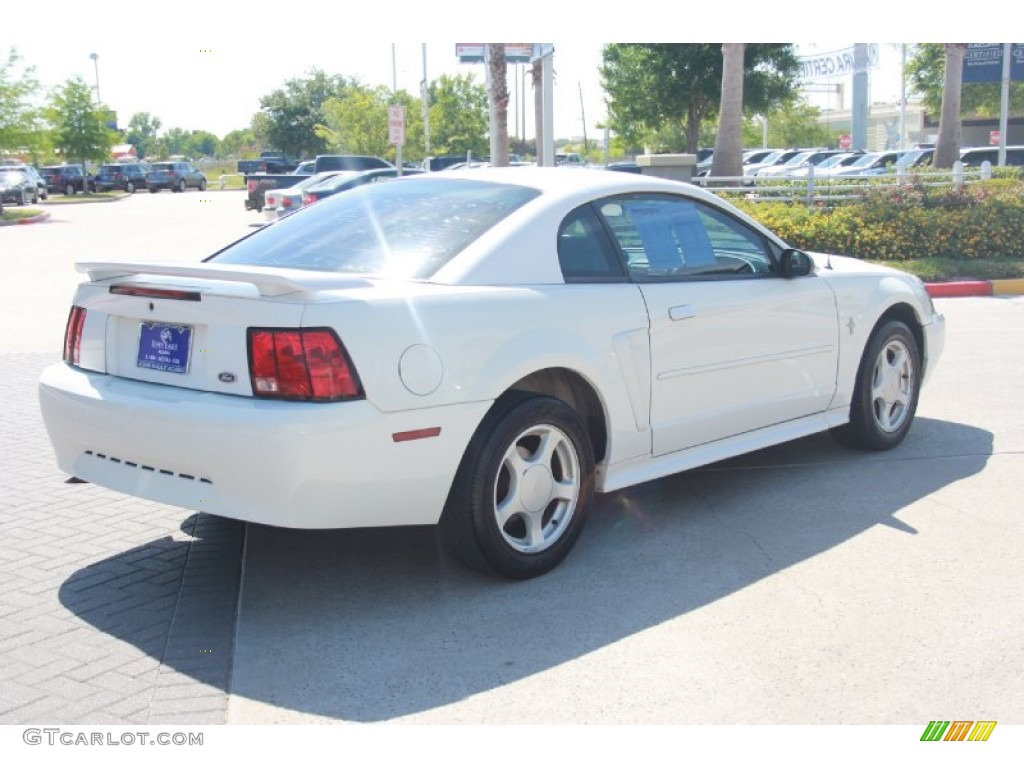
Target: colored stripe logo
{"type": "Point", "coordinates": [958, 730]}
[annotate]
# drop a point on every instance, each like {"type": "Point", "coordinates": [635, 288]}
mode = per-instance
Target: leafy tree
{"type": "Point", "coordinates": [79, 128]}
{"type": "Point", "coordinates": [357, 123]}
{"type": "Point", "coordinates": [458, 116]}
{"type": "Point", "coordinates": [926, 68]}
{"type": "Point", "coordinates": [141, 133]}
{"type": "Point", "coordinates": [289, 115]}
{"type": "Point", "coordinates": [201, 144]}
{"type": "Point", "coordinates": [20, 128]}
{"type": "Point", "coordinates": [174, 142]}
{"type": "Point", "coordinates": [793, 123]}
{"type": "Point", "coordinates": [665, 89]}
{"type": "Point", "coordinates": [240, 143]}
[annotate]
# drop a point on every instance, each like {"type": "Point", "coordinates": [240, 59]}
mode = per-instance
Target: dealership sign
{"type": "Point", "coordinates": [848, 61]}
{"type": "Point", "coordinates": [515, 53]}
{"type": "Point", "coordinates": [983, 62]}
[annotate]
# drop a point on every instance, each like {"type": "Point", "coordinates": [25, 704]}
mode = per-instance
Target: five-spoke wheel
{"type": "Point", "coordinates": [521, 493]}
{"type": "Point", "coordinates": [886, 390]}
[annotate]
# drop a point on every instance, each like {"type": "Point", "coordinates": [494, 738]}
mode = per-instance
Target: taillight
{"type": "Point", "coordinates": [308, 199]}
{"type": "Point", "coordinates": [73, 335]}
{"type": "Point", "coordinates": [286, 202]}
{"type": "Point", "coordinates": [301, 364]}
{"type": "Point", "coordinates": [251, 186]}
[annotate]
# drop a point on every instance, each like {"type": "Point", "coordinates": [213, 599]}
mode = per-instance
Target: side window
{"type": "Point", "coordinates": [671, 237]}
{"type": "Point", "coordinates": [584, 252]}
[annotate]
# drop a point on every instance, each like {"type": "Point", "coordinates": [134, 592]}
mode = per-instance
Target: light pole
{"type": "Point", "coordinates": [96, 66]}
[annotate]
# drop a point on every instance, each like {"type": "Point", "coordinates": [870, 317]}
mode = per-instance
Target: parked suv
{"type": "Point", "coordinates": [126, 176]}
{"type": "Point", "coordinates": [68, 179]}
{"type": "Point", "coordinates": [973, 157]}
{"type": "Point", "coordinates": [175, 176]}
{"type": "Point", "coordinates": [31, 172]}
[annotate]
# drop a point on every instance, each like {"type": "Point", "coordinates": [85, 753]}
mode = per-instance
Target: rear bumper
{"type": "Point", "coordinates": [296, 465]}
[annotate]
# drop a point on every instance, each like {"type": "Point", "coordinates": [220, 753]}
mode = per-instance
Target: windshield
{"type": "Point", "coordinates": [13, 177]}
{"type": "Point", "coordinates": [864, 160]}
{"type": "Point", "coordinates": [402, 229]}
{"type": "Point", "coordinates": [797, 160]}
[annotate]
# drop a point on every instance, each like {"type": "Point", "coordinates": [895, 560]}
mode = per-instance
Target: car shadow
{"type": "Point", "coordinates": [374, 624]}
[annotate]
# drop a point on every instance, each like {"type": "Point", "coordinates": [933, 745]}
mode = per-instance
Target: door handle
{"type": "Point", "coordinates": [682, 312]}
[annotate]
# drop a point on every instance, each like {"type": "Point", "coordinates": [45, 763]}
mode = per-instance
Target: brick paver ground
{"type": "Point", "coordinates": [113, 610]}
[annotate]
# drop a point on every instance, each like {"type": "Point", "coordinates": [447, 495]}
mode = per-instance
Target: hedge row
{"type": "Point", "coordinates": [983, 221]}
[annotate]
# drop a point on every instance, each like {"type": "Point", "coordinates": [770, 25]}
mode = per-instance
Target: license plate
{"type": "Point", "coordinates": [164, 347]}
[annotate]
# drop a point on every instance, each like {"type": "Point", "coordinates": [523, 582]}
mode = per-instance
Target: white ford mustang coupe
{"type": "Point", "coordinates": [482, 350]}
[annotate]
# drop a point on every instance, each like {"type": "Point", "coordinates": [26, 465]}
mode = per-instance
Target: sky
{"type": "Point", "coordinates": [204, 66]}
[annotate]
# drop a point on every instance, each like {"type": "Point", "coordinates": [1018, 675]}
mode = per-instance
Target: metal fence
{"type": "Point", "coordinates": [825, 189]}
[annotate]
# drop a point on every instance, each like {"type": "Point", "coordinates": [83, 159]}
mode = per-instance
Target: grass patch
{"type": "Point", "coordinates": [86, 197]}
{"type": "Point", "coordinates": [15, 214]}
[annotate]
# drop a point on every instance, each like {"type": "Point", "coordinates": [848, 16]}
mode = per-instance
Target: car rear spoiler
{"type": "Point", "coordinates": [269, 281]}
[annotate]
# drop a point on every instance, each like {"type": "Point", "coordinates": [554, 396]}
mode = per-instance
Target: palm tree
{"type": "Point", "coordinates": [499, 103]}
{"type": "Point", "coordinates": [728, 157]}
{"type": "Point", "coordinates": [947, 147]}
{"type": "Point", "coordinates": [537, 77]}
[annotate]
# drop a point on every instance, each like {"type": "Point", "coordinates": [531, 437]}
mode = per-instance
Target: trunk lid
{"type": "Point", "coordinates": [186, 325]}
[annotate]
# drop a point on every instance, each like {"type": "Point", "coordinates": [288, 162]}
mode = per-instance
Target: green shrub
{"type": "Point", "coordinates": [985, 220]}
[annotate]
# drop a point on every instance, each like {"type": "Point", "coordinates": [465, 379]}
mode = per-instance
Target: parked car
{"type": "Point", "coordinates": [126, 176]}
{"type": "Point", "coordinates": [176, 176]}
{"type": "Point", "coordinates": [827, 167]}
{"type": "Point", "coordinates": [973, 157]}
{"type": "Point", "coordinates": [281, 202]}
{"type": "Point", "coordinates": [350, 180]}
{"type": "Point", "coordinates": [268, 162]}
{"type": "Point", "coordinates": [31, 172]}
{"type": "Point", "coordinates": [624, 166]}
{"type": "Point", "coordinates": [871, 164]}
{"type": "Point", "coordinates": [257, 184]}
{"type": "Point", "coordinates": [482, 350]}
{"type": "Point", "coordinates": [797, 162]}
{"type": "Point", "coordinates": [67, 179]}
{"type": "Point", "coordinates": [17, 187]}
{"type": "Point", "coordinates": [777, 157]}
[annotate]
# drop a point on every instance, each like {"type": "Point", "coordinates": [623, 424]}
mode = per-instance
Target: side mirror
{"type": "Point", "coordinates": [796, 263]}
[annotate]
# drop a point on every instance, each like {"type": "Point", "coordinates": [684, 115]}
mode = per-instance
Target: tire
{"type": "Point", "coordinates": [886, 391]}
{"type": "Point", "coordinates": [24, 198]}
{"type": "Point", "coordinates": [202, 185]}
{"type": "Point", "coordinates": [153, 190]}
{"type": "Point", "coordinates": [522, 491]}
{"type": "Point", "coordinates": [69, 189]}
{"type": "Point", "coordinates": [129, 187]}
{"type": "Point", "coordinates": [182, 186]}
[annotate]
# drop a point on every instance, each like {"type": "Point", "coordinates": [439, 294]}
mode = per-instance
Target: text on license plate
{"type": "Point", "coordinates": [164, 347]}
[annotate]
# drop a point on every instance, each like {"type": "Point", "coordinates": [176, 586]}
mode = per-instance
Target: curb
{"type": "Point", "coordinates": [29, 220]}
{"type": "Point", "coordinates": [1011, 287]}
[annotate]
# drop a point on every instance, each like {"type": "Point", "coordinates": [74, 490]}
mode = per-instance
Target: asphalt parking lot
{"type": "Point", "coordinates": [803, 584]}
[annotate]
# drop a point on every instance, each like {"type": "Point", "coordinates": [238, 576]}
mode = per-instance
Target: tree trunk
{"type": "Point", "coordinates": [499, 103]}
{"type": "Point", "coordinates": [947, 147]}
{"type": "Point", "coordinates": [537, 76]}
{"type": "Point", "coordinates": [728, 157]}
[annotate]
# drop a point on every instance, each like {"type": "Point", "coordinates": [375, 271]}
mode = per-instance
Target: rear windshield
{"type": "Point", "coordinates": [162, 167]}
{"type": "Point", "coordinates": [400, 229]}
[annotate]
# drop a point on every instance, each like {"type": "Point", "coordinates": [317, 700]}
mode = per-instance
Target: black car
{"type": "Point", "coordinates": [350, 180]}
{"type": "Point", "coordinates": [32, 174]}
{"type": "Point", "coordinates": [126, 176]}
{"type": "Point", "coordinates": [176, 176]}
{"type": "Point", "coordinates": [17, 187]}
{"type": "Point", "coordinates": [68, 179]}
